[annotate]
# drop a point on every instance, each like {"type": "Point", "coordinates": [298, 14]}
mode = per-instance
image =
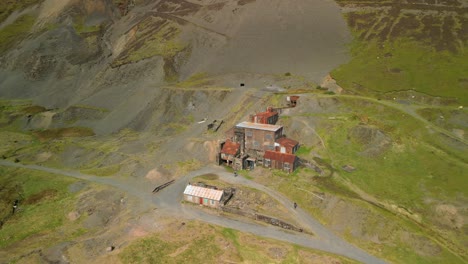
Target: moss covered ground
{"type": "Point", "coordinates": [44, 201]}
{"type": "Point", "coordinates": [406, 46]}
{"type": "Point", "coordinates": [15, 31]}
{"type": "Point", "coordinates": [195, 242]}
{"type": "Point", "coordinates": [17, 5]}
{"type": "Point", "coordinates": [411, 66]}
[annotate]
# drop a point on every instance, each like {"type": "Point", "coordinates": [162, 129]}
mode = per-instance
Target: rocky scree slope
{"type": "Point", "coordinates": [118, 56]}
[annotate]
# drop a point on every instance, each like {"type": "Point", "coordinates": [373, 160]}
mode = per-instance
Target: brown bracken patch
{"type": "Point", "coordinates": [179, 7]}
{"type": "Point", "coordinates": [63, 132]}
{"type": "Point", "coordinates": [34, 109]}
{"type": "Point", "coordinates": [441, 24]}
{"type": "Point", "coordinates": [244, 2]}
{"type": "Point", "coordinates": [47, 194]}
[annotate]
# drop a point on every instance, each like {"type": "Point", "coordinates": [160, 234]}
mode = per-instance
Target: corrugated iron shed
{"type": "Point", "coordinates": [230, 148]}
{"type": "Point", "coordinates": [263, 117]}
{"type": "Point", "coordinates": [203, 192]}
{"type": "Point", "coordinates": [265, 127]}
{"type": "Point", "coordinates": [287, 142]}
{"type": "Point", "coordinates": [278, 156]}
{"type": "Point", "coordinates": [266, 114]}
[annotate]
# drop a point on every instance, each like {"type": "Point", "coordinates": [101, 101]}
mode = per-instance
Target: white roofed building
{"type": "Point", "coordinates": [202, 195]}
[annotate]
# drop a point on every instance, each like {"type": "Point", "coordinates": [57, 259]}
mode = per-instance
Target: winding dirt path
{"type": "Point", "coordinates": [409, 109]}
{"type": "Point", "coordinates": [169, 202]}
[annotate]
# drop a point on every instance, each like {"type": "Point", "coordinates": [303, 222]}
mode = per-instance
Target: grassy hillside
{"type": "Point", "coordinates": [196, 242]}
{"type": "Point", "coordinates": [411, 169]}
{"type": "Point", "coordinates": [15, 31]}
{"type": "Point", "coordinates": [417, 169]}
{"type": "Point", "coordinates": [44, 201]}
{"type": "Point", "coordinates": [409, 46]}
{"type": "Point", "coordinates": [17, 5]}
{"type": "Point", "coordinates": [403, 199]}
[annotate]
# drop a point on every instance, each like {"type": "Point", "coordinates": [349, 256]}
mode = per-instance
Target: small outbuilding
{"type": "Point", "coordinates": [229, 152]}
{"type": "Point", "coordinates": [202, 195]}
{"type": "Point", "coordinates": [287, 145]}
{"type": "Point", "coordinates": [292, 100]}
{"type": "Point", "coordinates": [270, 116]}
{"type": "Point", "coordinates": [281, 161]}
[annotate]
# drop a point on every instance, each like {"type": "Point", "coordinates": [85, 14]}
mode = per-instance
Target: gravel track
{"type": "Point", "coordinates": [169, 202]}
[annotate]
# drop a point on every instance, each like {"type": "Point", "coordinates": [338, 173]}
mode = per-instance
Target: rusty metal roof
{"type": "Point", "coordinates": [203, 192]}
{"type": "Point", "coordinates": [230, 148]}
{"type": "Point", "coordinates": [269, 112]}
{"type": "Point", "coordinates": [262, 118]}
{"type": "Point", "coordinates": [278, 156]}
{"type": "Point", "coordinates": [287, 142]}
{"type": "Point", "coordinates": [257, 126]}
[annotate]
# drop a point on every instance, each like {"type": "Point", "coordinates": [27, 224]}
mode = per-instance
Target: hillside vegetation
{"type": "Point", "coordinates": [6, 9]}
{"type": "Point", "coordinates": [407, 45]}
{"type": "Point", "coordinates": [389, 181]}
{"type": "Point", "coordinates": [195, 242]}
{"type": "Point", "coordinates": [14, 32]}
{"type": "Point", "coordinates": [124, 90]}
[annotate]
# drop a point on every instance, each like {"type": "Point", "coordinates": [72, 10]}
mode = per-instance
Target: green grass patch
{"type": "Point", "coordinates": [56, 133]}
{"type": "Point", "coordinates": [401, 240]}
{"type": "Point", "coordinates": [16, 31]}
{"type": "Point", "coordinates": [150, 42]}
{"type": "Point", "coordinates": [156, 250]}
{"type": "Point", "coordinates": [229, 169]}
{"type": "Point", "coordinates": [34, 109]}
{"type": "Point", "coordinates": [306, 189]}
{"type": "Point", "coordinates": [419, 165]}
{"type": "Point", "coordinates": [245, 174]}
{"type": "Point", "coordinates": [210, 177]}
{"type": "Point", "coordinates": [90, 107]}
{"type": "Point", "coordinates": [15, 106]}
{"type": "Point", "coordinates": [303, 151]}
{"type": "Point", "coordinates": [196, 80]}
{"type": "Point", "coordinates": [231, 234]}
{"type": "Point", "coordinates": [183, 167]}
{"type": "Point", "coordinates": [245, 252]}
{"type": "Point", "coordinates": [7, 8]}
{"type": "Point", "coordinates": [148, 250]}
{"type": "Point", "coordinates": [81, 28]}
{"type": "Point", "coordinates": [11, 141]}
{"type": "Point", "coordinates": [409, 165]}
{"type": "Point", "coordinates": [44, 203]}
{"type": "Point", "coordinates": [103, 171]}
{"type": "Point", "coordinates": [252, 249]}
{"type": "Point", "coordinates": [411, 66]}
{"type": "Point", "coordinates": [446, 118]}
{"type": "Point", "coordinates": [196, 242]}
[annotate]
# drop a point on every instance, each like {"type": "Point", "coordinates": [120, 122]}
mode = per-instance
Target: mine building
{"type": "Point", "coordinates": [203, 195]}
{"type": "Point", "coordinates": [248, 143]}
{"type": "Point", "coordinates": [260, 142]}
{"type": "Point", "coordinates": [287, 145]}
{"type": "Point", "coordinates": [270, 117]}
{"type": "Point", "coordinates": [229, 151]}
{"type": "Point", "coordinates": [257, 137]}
{"type": "Point", "coordinates": [292, 100]}
{"type": "Point", "coordinates": [281, 161]}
